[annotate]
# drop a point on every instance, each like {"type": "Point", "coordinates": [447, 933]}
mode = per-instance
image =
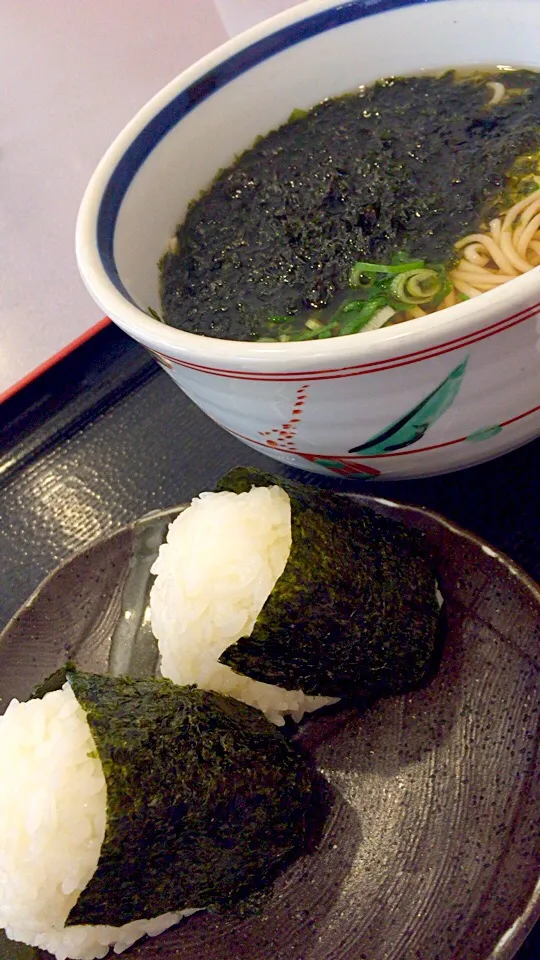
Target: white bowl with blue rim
{"type": "Point", "coordinates": [411, 400]}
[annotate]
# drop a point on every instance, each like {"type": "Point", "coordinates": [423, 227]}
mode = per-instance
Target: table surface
{"type": "Point", "coordinates": [106, 437]}
{"type": "Point", "coordinates": [69, 82]}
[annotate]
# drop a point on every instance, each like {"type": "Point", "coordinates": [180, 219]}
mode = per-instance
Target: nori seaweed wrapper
{"type": "Point", "coordinates": [206, 800]}
{"type": "Point", "coordinates": [409, 164]}
{"type": "Point", "coordinates": [355, 611]}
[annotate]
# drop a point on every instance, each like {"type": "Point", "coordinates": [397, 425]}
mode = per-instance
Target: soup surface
{"type": "Point", "coordinates": [371, 208]}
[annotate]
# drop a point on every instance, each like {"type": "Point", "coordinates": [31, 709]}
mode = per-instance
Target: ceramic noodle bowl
{"type": "Point", "coordinates": [424, 397]}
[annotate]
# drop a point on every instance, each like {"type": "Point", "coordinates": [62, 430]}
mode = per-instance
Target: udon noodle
{"type": "Point", "coordinates": [509, 248]}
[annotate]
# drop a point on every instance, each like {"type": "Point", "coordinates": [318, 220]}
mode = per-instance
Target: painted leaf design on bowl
{"type": "Point", "coordinates": [413, 425]}
{"type": "Point", "coordinates": [486, 433]}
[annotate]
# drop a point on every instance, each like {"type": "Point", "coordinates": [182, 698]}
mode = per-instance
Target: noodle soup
{"type": "Point", "coordinates": [378, 207]}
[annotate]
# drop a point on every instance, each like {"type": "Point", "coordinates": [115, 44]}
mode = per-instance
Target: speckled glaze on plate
{"type": "Point", "coordinates": [430, 850]}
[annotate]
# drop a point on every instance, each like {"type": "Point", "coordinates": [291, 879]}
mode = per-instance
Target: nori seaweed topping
{"type": "Point", "coordinates": [206, 800]}
{"type": "Point", "coordinates": [55, 681]}
{"type": "Point", "coordinates": [354, 612]}
{"type": "Point", "coordinates": [410, 163]}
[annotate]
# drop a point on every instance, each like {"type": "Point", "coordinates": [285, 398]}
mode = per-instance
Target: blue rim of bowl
{"type": "Point", "coordinates": [219, 76]}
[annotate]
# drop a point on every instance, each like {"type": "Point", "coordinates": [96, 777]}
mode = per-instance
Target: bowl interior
{"type": "Point", "coordinates": [200, 122]}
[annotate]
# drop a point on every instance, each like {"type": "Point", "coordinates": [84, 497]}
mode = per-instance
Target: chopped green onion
{"type": "Point", "coordinates": [362, 268]}
{"type": "Point", "coordinates": [379, 320]}
{"type": "Point", "coordinates": [358, 320]}
{"type": "Point", "coordinates": [443, 293]}
{"type": "Point", "coordinates": [327, 332]}
{"type": "Point", "coordinates": [416, 286]}
{"type": "Point", "coordinates": [316, 334]}
{"type": "Point", "coordinates": [297, 114]}
{"type": "Point", "coordinates": [353, 325]}
{"type": "Point", "coordinates": [354, 305]}
{"type": "Point", "coordinates": [308, 335]}
{"type": "Point", "coordinates": [403, 267]}
{"type": "Point", "coordinates": [402, 283]}
{"type": "Point", "coordinates": [364, 280]}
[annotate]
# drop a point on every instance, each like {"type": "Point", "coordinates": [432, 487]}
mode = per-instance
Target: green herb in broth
{"type": "Point", "coordinates": [362, 270]}
{"type": "Point", "coordinates": [387, 289]}
{"type": "Point", "coordinates": [297, 114]}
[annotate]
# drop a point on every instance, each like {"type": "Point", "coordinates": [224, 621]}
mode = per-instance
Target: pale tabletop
{"type": "Point", "coordinates": [72, 73]}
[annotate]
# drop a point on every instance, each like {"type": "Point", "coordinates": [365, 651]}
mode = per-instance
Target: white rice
{"type": "Point", "coordinates": [223, 555]}
{"type": "Point", "coordinates": [52, 816]}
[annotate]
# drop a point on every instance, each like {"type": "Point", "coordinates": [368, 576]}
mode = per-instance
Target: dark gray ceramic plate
{"type": "Point", "coordinates": [431, 847]}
